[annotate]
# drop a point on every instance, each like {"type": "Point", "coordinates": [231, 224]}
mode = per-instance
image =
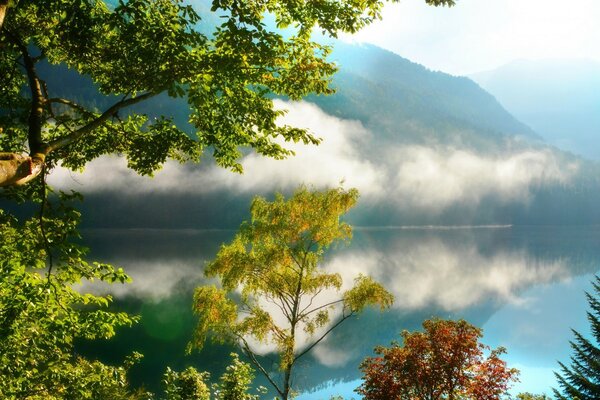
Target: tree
{"type": "Point", "coordinates": [446, 361]}
{"type": "Point", "coordinates": [582, 379]}
{"type": "Point", "coordinates": [137, 49]}
{"type": "Point", "coordinates": [190, 384]}
{"type": "Point", "coordinates": [42, 314]}
{"type": "Point", "coordinates": [274, 263]}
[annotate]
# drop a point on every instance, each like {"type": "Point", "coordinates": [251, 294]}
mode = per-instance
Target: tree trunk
{"type": "Point", "coordinates": [286, 383]}
{"type": "Point", "coordinates": [3, 8]}
{"type": "Point", "coordinates": [17, 169]}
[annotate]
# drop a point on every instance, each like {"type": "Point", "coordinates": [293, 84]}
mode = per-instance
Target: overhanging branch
{"type": "Point", "coordinates": [96, 123]}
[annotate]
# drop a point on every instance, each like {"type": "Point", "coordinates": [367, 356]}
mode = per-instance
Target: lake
{"type": "Point", "coordinates": [523, 285]}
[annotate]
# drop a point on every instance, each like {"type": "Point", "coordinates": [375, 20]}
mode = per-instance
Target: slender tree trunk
{"type": "Point", "coordinates": [286, 382]}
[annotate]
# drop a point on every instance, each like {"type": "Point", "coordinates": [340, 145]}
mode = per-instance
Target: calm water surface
{"type": "Point", "coordinates": [523, 285]}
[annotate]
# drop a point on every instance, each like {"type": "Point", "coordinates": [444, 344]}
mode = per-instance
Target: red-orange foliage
{"type": "Point", "coordinates": [444, 362]}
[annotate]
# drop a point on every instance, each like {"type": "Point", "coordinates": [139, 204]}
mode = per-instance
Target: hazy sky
{"type": "Point", "coordinates": [477, 35]}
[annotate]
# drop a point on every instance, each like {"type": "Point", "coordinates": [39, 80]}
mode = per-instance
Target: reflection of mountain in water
{"type": "Point", "coordinates": [469, 273]}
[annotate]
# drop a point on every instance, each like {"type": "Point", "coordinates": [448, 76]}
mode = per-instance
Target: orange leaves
{"type": "Point", "coordinates": [444, 362]}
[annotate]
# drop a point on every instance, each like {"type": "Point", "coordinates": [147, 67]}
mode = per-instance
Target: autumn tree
{"type": "Point", "coordinates": [581, 380]}
{"type": "Point", "coordinates": [274, 289]}
{"type": "Point", "coordinates": [137, 49]}
{"type": "Point", "coordinates": [446, 361]}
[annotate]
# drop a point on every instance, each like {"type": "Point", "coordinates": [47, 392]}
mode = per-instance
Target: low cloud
{"type": "Point", "coordinates": [338, 158]}
{"type": "Point", "coordinates": [427, 178]}
{"type": "Point", "coordinates": [410, 177]}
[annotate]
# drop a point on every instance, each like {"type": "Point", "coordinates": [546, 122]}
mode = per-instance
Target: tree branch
{"type": "Point", "coordinates": [305, 314]}
{"type": "Point", "coordinates": [309, 348]}
{"type": "Point", "coordinates": [110, 112]}
{"type": "Point", "coordinates": [281, 305]}
{"type": "Point", "coordinates": [254, 361]}
{"type": "Point", "coordinates": [69, 103]}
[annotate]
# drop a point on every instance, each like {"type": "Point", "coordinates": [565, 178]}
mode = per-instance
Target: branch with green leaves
{"type": "Point", "coordinates": [226, 73]}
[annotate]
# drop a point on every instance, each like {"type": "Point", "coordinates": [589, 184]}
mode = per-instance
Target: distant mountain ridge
{"type": "Point", "coordinates": [559, 99]}
{"type": "Point", "coordinates": [407, 103]}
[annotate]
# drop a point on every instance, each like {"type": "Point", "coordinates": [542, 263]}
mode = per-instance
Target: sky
{"type": "Point", "coordinates": [479, 35]}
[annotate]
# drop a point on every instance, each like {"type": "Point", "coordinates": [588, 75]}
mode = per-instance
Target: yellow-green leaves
{"type": "Point", "coordinates": [42, 314]}
{"type": "Point", "coordinates": [216, 313]}
{"type": "Point", "coordinates": [275, 289]}
{"type": "Point", "coordinates": [366, 292]}
{"type": "Point", "coordinates": [188, 384]}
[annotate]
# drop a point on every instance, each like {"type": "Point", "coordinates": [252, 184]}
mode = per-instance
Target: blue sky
{"type": "Point", "coordinates": [477, 35]}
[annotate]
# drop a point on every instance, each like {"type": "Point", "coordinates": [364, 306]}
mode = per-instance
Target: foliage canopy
{"type": "Point", "coordinates": [190, 384]}
{"type": "Point", "coordinates": [444, 362]}
{"type": "Point", "coordinates": [42, 314]}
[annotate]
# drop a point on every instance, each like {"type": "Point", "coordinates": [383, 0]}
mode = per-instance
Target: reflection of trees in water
{"type": "Point", "coordinates": [530, 255]}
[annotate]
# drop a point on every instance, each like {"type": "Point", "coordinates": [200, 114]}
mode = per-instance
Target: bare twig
{"type": "Point", "coordinates": [309, 348]}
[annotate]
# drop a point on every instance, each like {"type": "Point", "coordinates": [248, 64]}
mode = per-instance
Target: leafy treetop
{"type": "Point", "coordinates": [274, 265]}
{"type": "Point", "coordinates": [443, 362]}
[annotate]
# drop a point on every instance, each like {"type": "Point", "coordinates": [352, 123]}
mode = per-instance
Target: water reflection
{"type": "Point", "coordinates": [523, 285]}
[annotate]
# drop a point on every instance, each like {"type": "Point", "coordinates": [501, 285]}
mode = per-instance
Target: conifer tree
{"type": "Point", "coordinates": [582, 379]}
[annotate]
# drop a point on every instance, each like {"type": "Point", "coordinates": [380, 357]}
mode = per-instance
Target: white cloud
{"type": "Point", "coordinates": [411, 177]}
{"type": "Point", "coordinates": [432, 179]}
{"type": "Point", "coordinates": [337, 159]}
{"type": "Point", "coordinates": [331, 356]}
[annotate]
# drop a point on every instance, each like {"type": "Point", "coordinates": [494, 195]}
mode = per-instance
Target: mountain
{"type": "Point", "coordinates": [559, 99]}
{"type": "Point", "coordinates": [405, 102]}
{"type": "Point", "coordinates": [423, 147]}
